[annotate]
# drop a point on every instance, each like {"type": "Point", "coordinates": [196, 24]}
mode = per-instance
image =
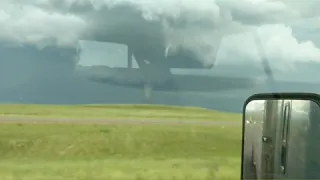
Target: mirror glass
{"type": "Point", "coordinates": [281, 139]}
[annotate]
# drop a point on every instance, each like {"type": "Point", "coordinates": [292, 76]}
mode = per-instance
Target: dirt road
{"type": "Point", "coordinates": [26, 119]}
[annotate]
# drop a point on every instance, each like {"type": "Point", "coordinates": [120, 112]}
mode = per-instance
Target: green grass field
{"type": "Point", "coordinates": [118, 112]}
{"type": "Point", "coordinates": [118, 152]}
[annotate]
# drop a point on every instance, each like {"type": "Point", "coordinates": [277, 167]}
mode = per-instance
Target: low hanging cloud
{"type": "Point", "coordinates": [220, 29]}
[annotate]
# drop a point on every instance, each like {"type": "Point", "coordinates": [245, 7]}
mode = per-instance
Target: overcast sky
{"type": "Point", "coordinates": [288, 29]}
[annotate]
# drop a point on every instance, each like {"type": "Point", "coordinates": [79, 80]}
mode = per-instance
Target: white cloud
{"type": "Point", "coordinates": [255, 105]}
{"type": "Point", "coordinates": [280, 46]}
{"type": "Point", "coordinates": [308, 8]}
{"type": "Point", "coordinates": [199, 25]}
{"type": "Point", "coordinates": [33, 25]}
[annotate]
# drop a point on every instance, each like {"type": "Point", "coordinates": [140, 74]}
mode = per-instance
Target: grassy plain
{"type": "Point", "coordinates": [118, 152]}
{"type": "Point", "coordinates": [117, 112]}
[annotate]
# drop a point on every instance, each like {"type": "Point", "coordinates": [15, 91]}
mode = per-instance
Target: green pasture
{"type": "Point", "coordinates": [118, 152]}
{"type": "Point", "coordinates": [65, 151]}
{"type": "Point", "coordinates": [117, 112]}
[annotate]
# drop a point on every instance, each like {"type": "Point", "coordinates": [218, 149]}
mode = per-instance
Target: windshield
{"type": "Point", "coordinates": [208, 54]}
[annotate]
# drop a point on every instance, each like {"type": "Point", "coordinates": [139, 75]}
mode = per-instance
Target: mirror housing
{"type": "Point", "coordinates": [280, 136]}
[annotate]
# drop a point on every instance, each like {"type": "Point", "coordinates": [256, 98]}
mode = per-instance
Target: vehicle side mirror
{"type": "Point", "coordinates": [281, 136]}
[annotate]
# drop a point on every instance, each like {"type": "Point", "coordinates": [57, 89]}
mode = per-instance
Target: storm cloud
{"type": "Point", "coordinates": [220, 28]}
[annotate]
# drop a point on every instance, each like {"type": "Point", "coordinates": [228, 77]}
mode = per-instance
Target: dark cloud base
{"type": "Point", "coordinates": [28, 76]}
